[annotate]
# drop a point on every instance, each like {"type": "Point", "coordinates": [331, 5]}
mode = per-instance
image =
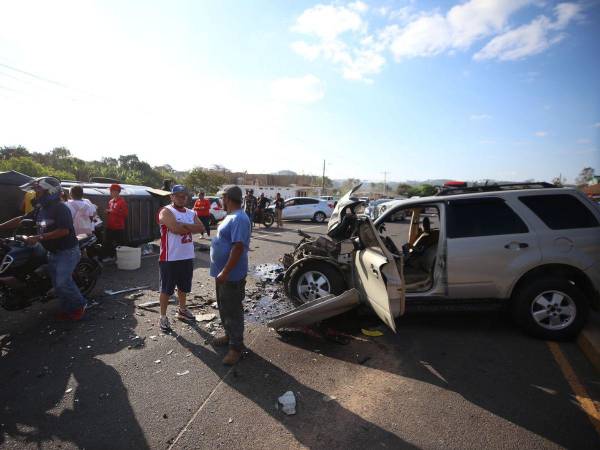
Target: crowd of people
{"type": "Point", "coordinates": [255, 207]}
{"type": "Point", "coordinates": [60, 218]}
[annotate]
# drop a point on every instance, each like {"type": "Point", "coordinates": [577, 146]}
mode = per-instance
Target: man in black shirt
{"type": "Point", "coordinates": [56, 234]}
{"type": "Point", "coordinates": [262, 204]}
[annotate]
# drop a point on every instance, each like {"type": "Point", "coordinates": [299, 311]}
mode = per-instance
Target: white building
{"type": "Point", "coordinates": [271, 191]}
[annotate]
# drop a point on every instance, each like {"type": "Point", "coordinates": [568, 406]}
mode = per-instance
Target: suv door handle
{"type": "Point", "coordinates": [374, 270]}
{"type": "Point", "coordinates": [516, 245]}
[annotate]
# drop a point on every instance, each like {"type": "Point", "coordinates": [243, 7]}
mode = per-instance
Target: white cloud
{"type": "Point", "coordinates": [541, 133]}
{"type": "Point", "coordinates": [342, 34]}
{"type": "Point", "coordinates": [584, 141]}
{"type": "Point", "coordinates": [359, 6]}
{"type": "Point", "coordinates": [306, 89]}
{"type": "Point", "coordinates": [434, 33]}
{"type": "Point", "coordinates": [530, 39]}
{"type": "Point", "coordinates": [328, 22]}
{"type": "Point", "coordinates": [480, 116]}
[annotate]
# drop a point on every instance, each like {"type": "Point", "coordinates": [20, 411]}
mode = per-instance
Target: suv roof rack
{"type": "Point", "coordinates": [493, 188]}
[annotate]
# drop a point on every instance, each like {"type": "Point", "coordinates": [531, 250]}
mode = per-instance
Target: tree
{"type": "Point", "coordinates": [348, 184]}
{"type": "Point", "coordinates": [28, 166]}
{"type": "Point", "coordinates": [585, 176]}
{"type": "Point", "coordinates": [559, 181]}
{"type": "Point", "coordinates": [13, 152]}
{"type": "Point", "coordinates": [403, 189]}
{"type": "Point", "coordinates": [423, 190]}
{"type": "Point", "coordinates": [200, 179]}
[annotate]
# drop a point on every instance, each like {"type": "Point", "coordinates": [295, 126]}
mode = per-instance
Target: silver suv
{"type": "Point", "coordinates": [532, 248]}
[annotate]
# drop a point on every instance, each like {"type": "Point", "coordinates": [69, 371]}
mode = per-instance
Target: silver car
{"type": "Point", "coordinates": [531, 248]}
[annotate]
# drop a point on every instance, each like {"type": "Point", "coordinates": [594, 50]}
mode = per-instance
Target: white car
{"type": "Point", "coordinates": [303, 208]}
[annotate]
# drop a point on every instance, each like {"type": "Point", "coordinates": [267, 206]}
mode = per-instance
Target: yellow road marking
{"type": "Point", "coordinates": [583, 398]}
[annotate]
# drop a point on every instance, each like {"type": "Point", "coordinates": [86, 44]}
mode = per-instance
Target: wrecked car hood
{"type": "Point", "coordinates": [339, 211]}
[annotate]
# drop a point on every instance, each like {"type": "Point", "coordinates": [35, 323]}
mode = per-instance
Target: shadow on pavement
{"type": "Point", "coordinates": [43, 359]}
{"type": "Point", "coordinates": [344, 428]}
{"type": "Point", "coordinates": [480, 356]}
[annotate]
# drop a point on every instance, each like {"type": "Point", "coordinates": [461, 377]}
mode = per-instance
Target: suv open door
{"type": "Point", "coordinates": [378, 276]}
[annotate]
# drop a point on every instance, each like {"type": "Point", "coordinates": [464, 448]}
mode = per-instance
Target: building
{"type": "Point", "coordinates": [271, 191]}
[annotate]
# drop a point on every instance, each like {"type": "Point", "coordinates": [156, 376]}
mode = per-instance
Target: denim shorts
{"type": "Point", "coordinates": [176, 274]}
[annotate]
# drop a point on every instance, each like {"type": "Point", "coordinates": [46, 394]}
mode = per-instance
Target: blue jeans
{"type": "Point", "coordinates": [60, 268]}
{"type": "Point", "coordinates": [251, 217]}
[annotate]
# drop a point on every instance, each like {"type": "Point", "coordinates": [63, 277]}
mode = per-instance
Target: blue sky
{"type": "Point", "coordinates": [503, 89]}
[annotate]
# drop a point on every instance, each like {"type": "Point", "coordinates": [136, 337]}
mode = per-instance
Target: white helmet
{"type": "Point", "coordinates": [50, 184]}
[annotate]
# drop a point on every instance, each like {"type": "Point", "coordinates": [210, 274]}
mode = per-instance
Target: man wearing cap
{"type": "Point", "coordinates": [116, 216]}
{"type": "Point", "coordinates": [56, 234]}
{"type": "Point", "coordinates": [229, 267]}
{"type": "Point", "coordinates": [202, 208]}
{"type": "Point", "coordinates": [176, 260]}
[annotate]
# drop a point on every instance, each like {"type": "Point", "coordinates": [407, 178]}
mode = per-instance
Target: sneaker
{"type": "Point", "coordinates": [232, 357]}
{"type": "Point", "coordinates": [164, 324]}
{"type": "Point", "coordinates": [185, 315]}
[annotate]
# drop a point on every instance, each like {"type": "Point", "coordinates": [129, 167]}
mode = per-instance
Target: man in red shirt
{"type": "Point", "coordinates": [116, 215]}
{"type": "Point", "coordinates": [202, 208]}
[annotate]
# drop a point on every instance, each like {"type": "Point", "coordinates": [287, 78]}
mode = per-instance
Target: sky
{"type": "Point", "coordinates": [406, 90]}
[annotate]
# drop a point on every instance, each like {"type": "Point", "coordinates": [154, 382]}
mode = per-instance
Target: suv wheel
{"type": "Point", "coordinates": [551, 308]}
{"type": "Point", "coordinates": [319, 217]}
{"type": "Point", "coordinates": [314, 280]}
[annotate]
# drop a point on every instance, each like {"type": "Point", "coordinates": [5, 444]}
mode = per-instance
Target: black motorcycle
{"type": "Point", "coordinates": [265, 217]}
{"type": "Point", "coordinates": [23, 271]}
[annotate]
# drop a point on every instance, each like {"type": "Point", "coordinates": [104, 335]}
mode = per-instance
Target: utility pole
{"type": "Point", "coordinates": [385, 183]}
{"type": "Point", "coordinates": [323, 180]}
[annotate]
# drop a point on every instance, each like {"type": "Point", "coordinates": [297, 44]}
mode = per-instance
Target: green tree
{"type": "Point", "coordinates": [13, 152]}
{"type": "Point", "coordinates": [28, 166]}
{"type": "Point", "coordinates": [585, 176]}
{"type": "Point", "coordinates": [199, 179]}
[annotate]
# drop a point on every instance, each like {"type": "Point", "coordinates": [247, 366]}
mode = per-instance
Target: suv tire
{"type": "Point", "coordinates": [551, 296]}
{"type": "Point", "coordinates": [298, 285]}
{"type": "Point", "coordinates": [319, 217]}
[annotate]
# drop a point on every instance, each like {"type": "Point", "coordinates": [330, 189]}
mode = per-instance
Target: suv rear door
{"type": "Point", "coordinates": [488, 246]}
{"type": "Point", "coordinates": [378, 276]}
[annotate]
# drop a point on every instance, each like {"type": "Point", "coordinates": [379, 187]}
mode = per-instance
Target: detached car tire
{"type": "Point", "coordinates": [314, 280]}
{"type": "Point", "coordinates": [551, 308]}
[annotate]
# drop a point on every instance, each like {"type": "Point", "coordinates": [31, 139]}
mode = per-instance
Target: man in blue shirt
{"type": "Point", "coordinates": [229, 267]}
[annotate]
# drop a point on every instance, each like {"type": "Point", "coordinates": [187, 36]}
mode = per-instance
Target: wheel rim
{"type": "Point", "coordinates": [553, 310]}
{"type": "Point", "coordinates": [313, 285]}
{"type": "Point", "coordinates": [320, 217]}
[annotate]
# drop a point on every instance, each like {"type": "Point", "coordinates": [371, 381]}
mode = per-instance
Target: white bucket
{"type": "Point", "coordinates": [129, 258]}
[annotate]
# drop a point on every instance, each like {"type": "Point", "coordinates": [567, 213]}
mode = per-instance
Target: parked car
{"type": "Point", "coordinates": [306, 208]}
{"type": "Point", "coordinates": [374, 207]}
{"type": "Point", "coordinates": [217, 212]}
{"type": "Point", "coordinates": [531, 248]}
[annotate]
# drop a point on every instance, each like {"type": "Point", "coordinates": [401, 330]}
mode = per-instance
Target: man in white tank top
{"type": "Point", "coordinates": [176, 260]}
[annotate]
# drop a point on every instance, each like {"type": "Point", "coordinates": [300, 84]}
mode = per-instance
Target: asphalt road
{"type": "Point", "coordinates": [458, 381]}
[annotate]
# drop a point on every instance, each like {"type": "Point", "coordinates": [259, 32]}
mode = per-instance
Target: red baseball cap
{"type": "Point", "coordinates": [115, 187]}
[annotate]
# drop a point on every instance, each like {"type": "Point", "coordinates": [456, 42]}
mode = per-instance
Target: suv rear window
{"type": "Point", "coordinates": [482, 217]}
{"type": "Point", "coordinates": [561, 211]}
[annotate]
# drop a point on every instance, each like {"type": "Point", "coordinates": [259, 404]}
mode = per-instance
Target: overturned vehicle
{"type": "Point", "coordinates": [482, 248]}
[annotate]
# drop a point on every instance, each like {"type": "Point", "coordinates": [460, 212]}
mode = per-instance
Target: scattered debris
{"type": "Point", "coordinates": [137, 342]}
{"type": "Point", "coordinates": [269, 273]}
{"type": "Point", "coordinates": [371, 333]}
{"type": "Point", "coordinates": [153, 337]}
{"type": "Point", "coordinates": [169, 352]}
{"type": "Point", "coordinates": [122, 291]}
{"type": "Point", "coordinates": [157, 361]}
{"type": "Point", "coordinates": [230, 420]}
{"type": "Point", "coordinates": [68, 391]}
{"type": "Point", "coordinates": [205, 317]}
{"type": "Point", "coordinates": [288, 403]}
{"type": "Point", "coordinates": [134, 295]}
{"type": "Point", "coordinates": [165, 416]}
{"type": "Point", "coordinates": [185, 372]}
{"type": "Point", "coordinates": [328, 398]}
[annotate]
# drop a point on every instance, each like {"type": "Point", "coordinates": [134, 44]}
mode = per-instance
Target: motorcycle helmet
{"type": "Point", "coordinates": [50, 185]}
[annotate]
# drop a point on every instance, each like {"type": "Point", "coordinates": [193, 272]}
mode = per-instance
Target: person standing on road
{"type": "Point", "coordinates": [116, 216]}
{"type": "Point", "coordinates": [229, 267]}
{"type": "Point", "coordinates": [279, 205]}
{"type": "Point", "coordinates": [250, 206]}
{"type": "Point", "coordinates": [176, 260]}
{"type": "Point", "coordinates": [83, 211]}
{"type": "Point", "coordinates": [202, 208]}
{"type": "Point", "coordinates": [56, 234]}
{"type": "Point", "coordinates": [262, 204]}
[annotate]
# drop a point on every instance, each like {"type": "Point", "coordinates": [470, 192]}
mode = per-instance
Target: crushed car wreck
{"type": "Point", "coordinates": [531, 248]}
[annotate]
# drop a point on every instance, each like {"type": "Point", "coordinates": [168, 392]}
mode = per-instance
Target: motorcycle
{"type": "Point", "coordinates": [23, 271]}
{"type": "Point", "coordinates": [266, 217]}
